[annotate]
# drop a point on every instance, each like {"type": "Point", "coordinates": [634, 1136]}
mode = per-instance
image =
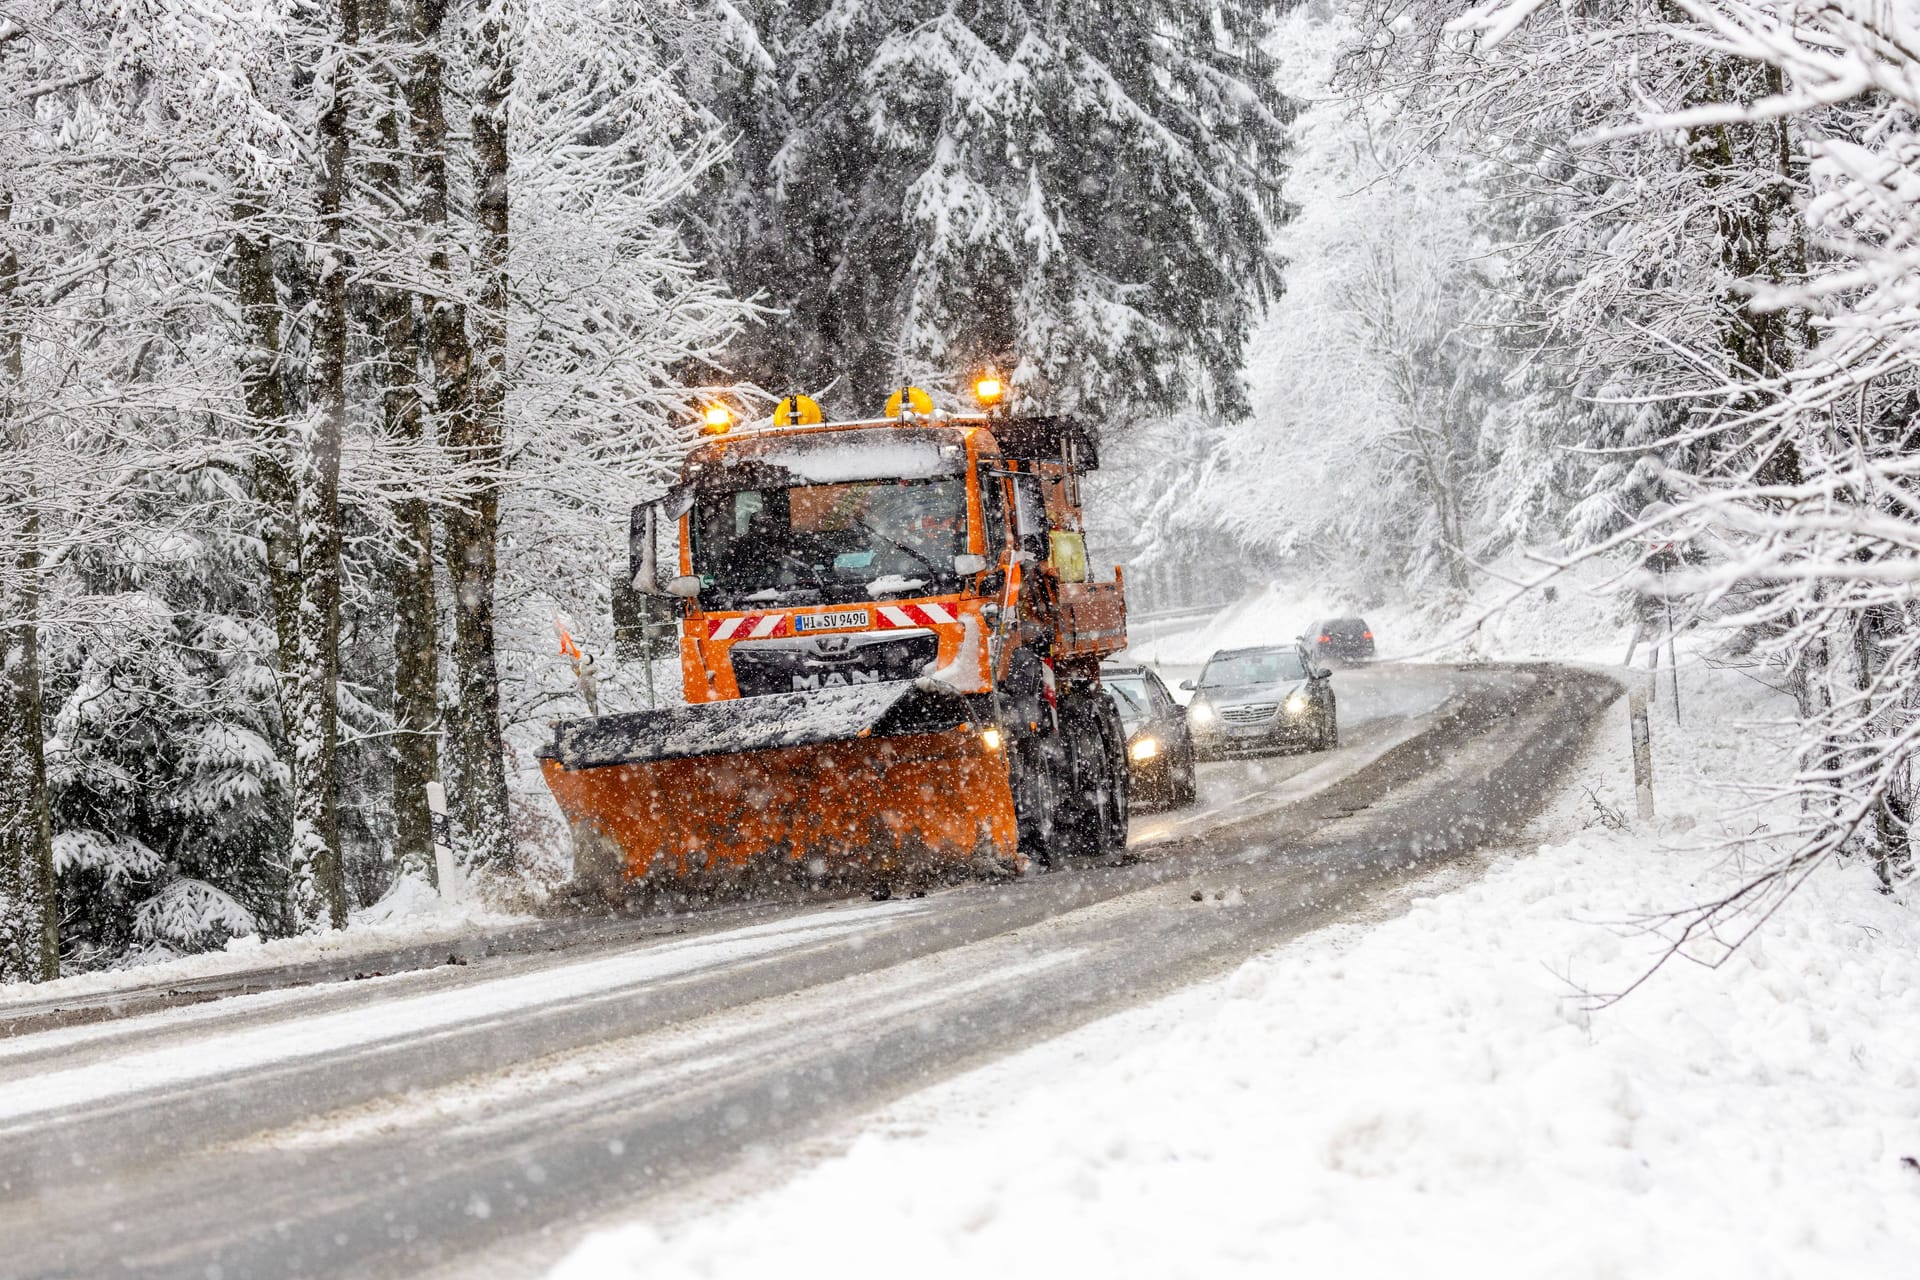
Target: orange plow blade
{"type": "Point", "coordinates": [880, 783]}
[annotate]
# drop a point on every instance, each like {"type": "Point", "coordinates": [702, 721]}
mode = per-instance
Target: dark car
{"type": "Point", "coordinates": [1258, 701]}
{"type": "Point", "coordinates": [1159, 746]}
{"type": "Point", "coordinates": [1341, 640]}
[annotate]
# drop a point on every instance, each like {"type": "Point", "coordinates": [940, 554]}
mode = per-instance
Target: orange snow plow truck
{"type": "Point", "coordinates": [890, 648]}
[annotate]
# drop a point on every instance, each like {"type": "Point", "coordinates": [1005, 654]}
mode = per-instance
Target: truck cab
{"type": "Point", "coordinates": [859, 553]}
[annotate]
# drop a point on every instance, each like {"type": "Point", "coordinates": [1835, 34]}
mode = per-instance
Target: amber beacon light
{"type": "Point", "coordinates": [716, 419]}
{"type": "Point", "coordinates": [989, 390]}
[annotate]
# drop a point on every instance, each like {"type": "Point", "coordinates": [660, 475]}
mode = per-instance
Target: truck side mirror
{"type": "Point", "coordinates": [686, 588]}
{"type": "Point", "coordinates": [645, 627]}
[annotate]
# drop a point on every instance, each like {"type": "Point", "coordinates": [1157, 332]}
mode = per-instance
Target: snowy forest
{"type": "Point", "coordinates": [337, 339]}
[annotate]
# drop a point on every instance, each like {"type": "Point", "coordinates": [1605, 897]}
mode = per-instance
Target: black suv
{"type": "Point", "coordinates": [1159, 745]}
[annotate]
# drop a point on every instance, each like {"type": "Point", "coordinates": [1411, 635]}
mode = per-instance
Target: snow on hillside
{"type": "Point", "coordinates": [1431, 1095]}
{"type": "Point", "coordinates": [1580, 620]}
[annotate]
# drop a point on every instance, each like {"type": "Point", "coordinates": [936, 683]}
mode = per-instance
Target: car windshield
{"type": "Point", "coordinates": [1268, 666]}
{"type": "Point", "coordinates": [861, 539]}
{"type": "Point", "coordinates": [1130, 695]}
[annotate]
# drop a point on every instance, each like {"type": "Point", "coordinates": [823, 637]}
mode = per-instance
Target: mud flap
{"type": "Point", "coordinates": [884, 782]}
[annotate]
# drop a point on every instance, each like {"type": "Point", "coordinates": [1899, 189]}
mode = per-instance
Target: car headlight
{"type": "Point", "coordinates": [1200, 713]}
{"type": "Point", "coordinates": [1145, 749]}
{"type": "Point", "coordinates": [1297, 704]}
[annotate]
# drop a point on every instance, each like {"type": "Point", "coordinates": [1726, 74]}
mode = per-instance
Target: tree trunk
{"type": "Point", "coordinates": [273, 480]}
{"type": "Point", "coordinates": [416, 666]}
{"type": "Point", "coordinates": [319, 879]}
{"type": "Point", "coordinates": [29, 916]}
{"type": "Point", "coordinates": [478, 441]}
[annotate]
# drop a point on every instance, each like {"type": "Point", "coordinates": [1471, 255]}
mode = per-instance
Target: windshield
{"type": "Point", "coordinates": [1269, 666]}
{"type": "Point", "coordinates": [1130, 696]}
{"type": "Point", "coordinates": [863, 539]}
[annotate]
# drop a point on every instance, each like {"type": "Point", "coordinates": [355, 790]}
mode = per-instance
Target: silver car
{"type": "Point", "coordinates": [1259, 701]}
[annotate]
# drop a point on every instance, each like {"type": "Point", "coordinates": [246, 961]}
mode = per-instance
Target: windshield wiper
{"type": "Point", "coordinates": [898, 546]}
{"type": "Point", "coordinates": [813, 570]}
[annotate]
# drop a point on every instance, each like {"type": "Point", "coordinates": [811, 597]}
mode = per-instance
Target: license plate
{"type": "Point", "coordinates": [838, 620]}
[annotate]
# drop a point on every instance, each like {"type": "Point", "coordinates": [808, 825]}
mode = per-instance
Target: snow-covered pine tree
{"type": "Point", "coordinates": [120, 387]}
{"type": "Point", "coordinates": [1630, 255]}
{"type": "Point", "coordinates": [169, 792]}
{"type": "Point", "coordinates": [1079, 193]}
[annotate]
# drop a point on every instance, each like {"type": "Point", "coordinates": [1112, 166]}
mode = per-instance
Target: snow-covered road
{"type": "Point", "coordinates": [402, 1123]}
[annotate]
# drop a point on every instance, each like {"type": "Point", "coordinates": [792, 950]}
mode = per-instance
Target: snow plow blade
{"type": "Point", "coordinates": [885, 783]}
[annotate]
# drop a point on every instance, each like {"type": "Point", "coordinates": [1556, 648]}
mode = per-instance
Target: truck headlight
{"type": "Point", "coordinates": [1145, 749]}
{"type": "Point", "coordinates": [1297, 704]}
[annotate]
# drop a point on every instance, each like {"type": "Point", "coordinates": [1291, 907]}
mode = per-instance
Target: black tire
{"type": "Point", "coordinates": [1095, 799]}
{"type": "Point", "coordinates": [1183, 786]}
{"type": "Point", "coordinates": [1034, 776]}
{"type": "Point", "coordinates": [1119, 774]}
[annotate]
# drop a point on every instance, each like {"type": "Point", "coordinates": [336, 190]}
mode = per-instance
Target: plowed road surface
{"type": "Point", "coordinates": [440, 1118]}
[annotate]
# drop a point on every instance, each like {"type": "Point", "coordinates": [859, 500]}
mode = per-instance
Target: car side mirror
{"type": "Point", "coordinates": [1323, 673]}
{"type": "Point", "coordinates": [1188, 685]}
{"type": "Point", "coordinates": [685, 587]}
{"type": "Point", "coordinates": [969, 564]}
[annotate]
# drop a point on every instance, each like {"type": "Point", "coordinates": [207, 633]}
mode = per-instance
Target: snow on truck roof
{"type": "Point", "coordinates": [839, 452]}
{"type": "Point", "coordinates": [886, 452]}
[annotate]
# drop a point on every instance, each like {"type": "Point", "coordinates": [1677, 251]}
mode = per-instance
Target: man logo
{"type": "Point", "coordinates": [836, 679]}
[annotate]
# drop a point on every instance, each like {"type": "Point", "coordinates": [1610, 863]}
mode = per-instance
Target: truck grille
{"type": "Point", "coordinates": [831, 661]}
{"type": "Point", "coordinates": [1249, 713]}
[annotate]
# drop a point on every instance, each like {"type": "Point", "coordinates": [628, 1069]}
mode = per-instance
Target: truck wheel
{"type": "Point", "coordinates": [1034, 777]}
{"type": "Point", "coordinates": [1119, 777]}
{"type": "Point", "coordinates": [1094, 811]}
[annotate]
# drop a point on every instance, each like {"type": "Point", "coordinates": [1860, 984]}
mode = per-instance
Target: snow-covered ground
{"type": "Point", "coordinates": [1429, 1095]}
{"type": "Point", "coordinates": [412, 914]}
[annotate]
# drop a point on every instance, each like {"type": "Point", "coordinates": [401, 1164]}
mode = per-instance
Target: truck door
{"type": "Point", "coordinates": [993, 517]}
{"type": "Point", "coordinates": [1030, 516]}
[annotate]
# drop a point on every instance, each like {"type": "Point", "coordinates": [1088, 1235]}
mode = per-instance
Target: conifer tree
{"type": "Point", "coordinates": [1079, 193]}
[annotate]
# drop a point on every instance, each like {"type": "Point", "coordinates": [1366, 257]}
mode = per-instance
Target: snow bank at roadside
{"type": "Point", "coordinates": [411, 914]}
{"type": "Point", "coordinates": [1426, 1096]}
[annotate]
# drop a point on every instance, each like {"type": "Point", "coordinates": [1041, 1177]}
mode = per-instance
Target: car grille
{"type": "Point", "coordinates": [1249, 713]}
{"type": "Point", "coordinates": [763, 667]}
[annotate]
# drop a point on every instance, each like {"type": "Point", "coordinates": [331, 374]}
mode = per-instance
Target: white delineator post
{"type": "Point", "coordinates": [452, 876]}
{"type": "Point", "coordinates": [1642, 737]}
